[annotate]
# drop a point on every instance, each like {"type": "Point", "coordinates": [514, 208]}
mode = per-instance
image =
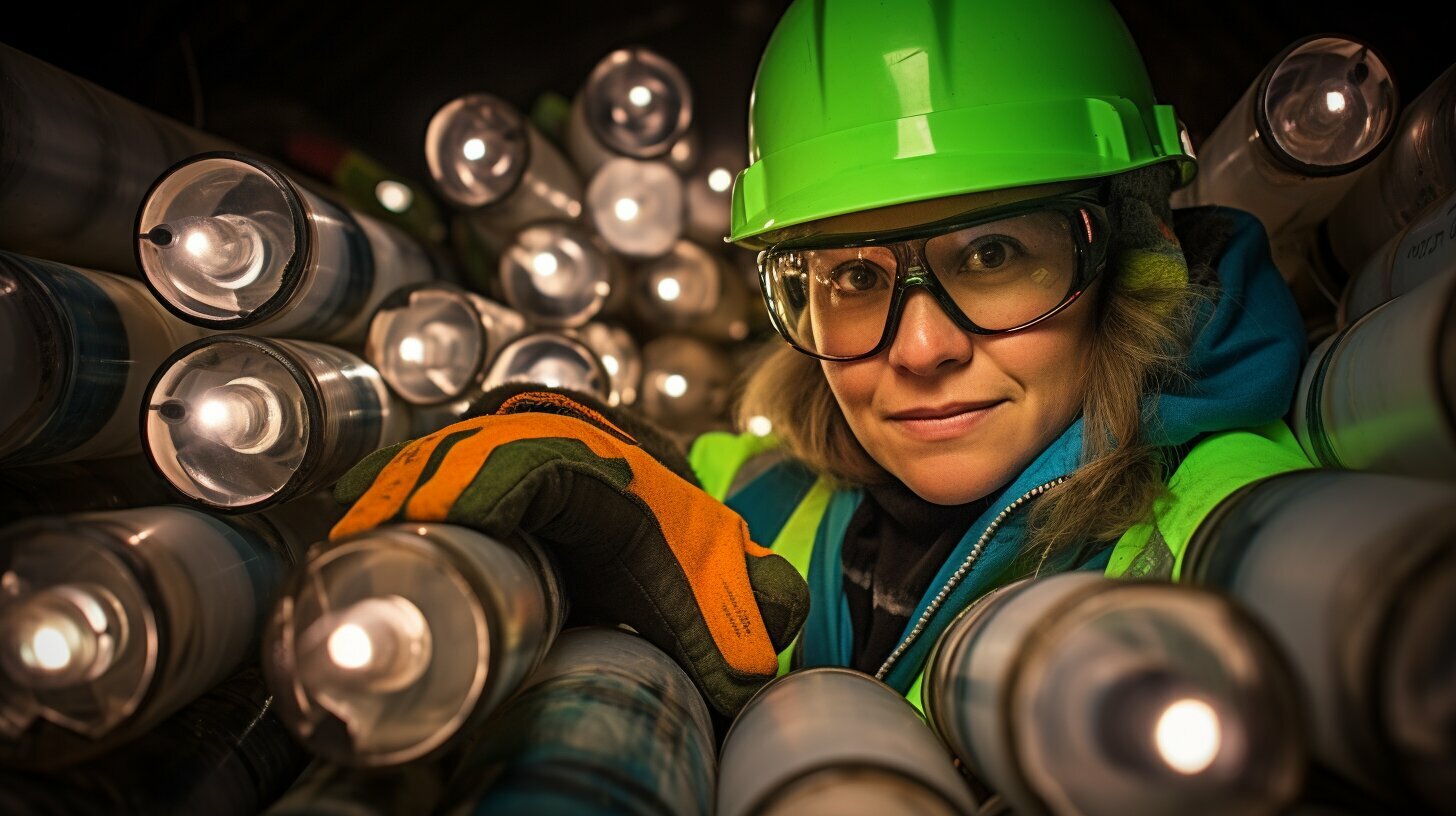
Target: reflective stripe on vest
{"type": "Point", "coordinates": [1213, 470]}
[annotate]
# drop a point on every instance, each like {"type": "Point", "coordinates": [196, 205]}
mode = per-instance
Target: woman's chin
{"type": "Point", "coordinates": [946, 486]}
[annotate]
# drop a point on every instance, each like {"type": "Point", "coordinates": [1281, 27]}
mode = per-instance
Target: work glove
{"type": "Point", "coordinates": [636, 542]}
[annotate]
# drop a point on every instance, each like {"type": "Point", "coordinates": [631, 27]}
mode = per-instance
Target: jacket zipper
{"type": "Point", "coordinates": [961, 573]}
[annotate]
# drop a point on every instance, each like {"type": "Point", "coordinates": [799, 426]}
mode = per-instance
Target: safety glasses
{"type": "Point", "coordinates": [993, 271]}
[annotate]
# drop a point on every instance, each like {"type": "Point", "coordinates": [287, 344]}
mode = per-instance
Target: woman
{"type": "Point", "coordinates": [1005, 357]}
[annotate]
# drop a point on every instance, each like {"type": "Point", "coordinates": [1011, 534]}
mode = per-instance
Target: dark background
{"type": "Point", "coordinates": [372, 74]}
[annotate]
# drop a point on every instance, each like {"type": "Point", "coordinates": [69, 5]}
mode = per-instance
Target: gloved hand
{"type": "Point", "coordinates": [635, 541]}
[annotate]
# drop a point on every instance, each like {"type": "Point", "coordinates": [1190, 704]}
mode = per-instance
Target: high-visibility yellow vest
{"type": "Point", "coordinates": [1214, 468]}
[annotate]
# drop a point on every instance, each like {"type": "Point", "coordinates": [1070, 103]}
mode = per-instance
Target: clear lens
{"type": "Point", "coordinates": [1191, 708]}
{"type": "Point", "coordinates": [227, 424]}
{"type": "Point", "coordinates": [1188, 702]}
{"type": "Point", "coordinates": [1002, 274]}
{"type": "Point", "coordinates": [1329, 103]}
{"type": "Point", "coordinates": [637, 103]}
{"type": "Point", "coordinates": [477, 148]}
{"type": "Point", "coordinates": [686, 383]}
{"type": "Point", "coordinates": [554, 274]}
{"type": "Point", "coordinates": [77, 634]}
{"type": "Point", "coordinates": [1008, 272]}
{"type": "Point", "coordinates": [637, 206]}
{"type": "Point", "coordinates": [60, 636]}
{"type": "Point", "coordinates": [682, 286]}
{"type": "Point", "coordinates": [430, 346]}
{"type": "Point", "coordinates": [385, 646]}
{"type": "Point", "coordinates": [552, 360]}
{"type": "Point", "coordinates": [620, 356]}
{"type": "Point", "coordinates": [217, 238]}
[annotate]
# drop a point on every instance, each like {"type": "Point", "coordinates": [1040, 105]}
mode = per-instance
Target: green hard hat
{"type": "Point", "coordinates": [867, 103]}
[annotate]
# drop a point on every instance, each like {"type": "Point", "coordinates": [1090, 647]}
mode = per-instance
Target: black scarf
{"type": "Point", "coordinates": [895, 544]}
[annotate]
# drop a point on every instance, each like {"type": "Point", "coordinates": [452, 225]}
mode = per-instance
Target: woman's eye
{"type": "Point", "coordinates": [856, 277]}
{"type": "Point", "coordinates": [990, 254]}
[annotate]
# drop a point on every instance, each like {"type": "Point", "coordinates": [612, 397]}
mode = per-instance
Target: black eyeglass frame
{"type": "Point", "coordinates": [1086, 211]}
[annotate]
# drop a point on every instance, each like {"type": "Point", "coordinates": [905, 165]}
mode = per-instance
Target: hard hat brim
{"type": "Point", "coordinates": [950, 152]}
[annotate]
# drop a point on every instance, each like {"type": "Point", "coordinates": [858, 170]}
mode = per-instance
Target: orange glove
{"type": "Point", "coordinates": [636, 543]}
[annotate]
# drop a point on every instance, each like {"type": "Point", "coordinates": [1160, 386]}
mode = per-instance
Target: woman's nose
{"type": "Point", "coordinates": [927, 340]}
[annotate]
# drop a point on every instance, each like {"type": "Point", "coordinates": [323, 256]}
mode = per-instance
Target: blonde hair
{"type": "Point", "coordinates": [1140, 339]}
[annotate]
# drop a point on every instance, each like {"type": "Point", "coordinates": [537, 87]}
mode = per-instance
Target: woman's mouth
{"type": "Point", "coordinates": [936, 423]}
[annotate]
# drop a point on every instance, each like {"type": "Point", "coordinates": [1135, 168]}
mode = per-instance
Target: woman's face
{"type": "Point", "coordinates": [955, 415]}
